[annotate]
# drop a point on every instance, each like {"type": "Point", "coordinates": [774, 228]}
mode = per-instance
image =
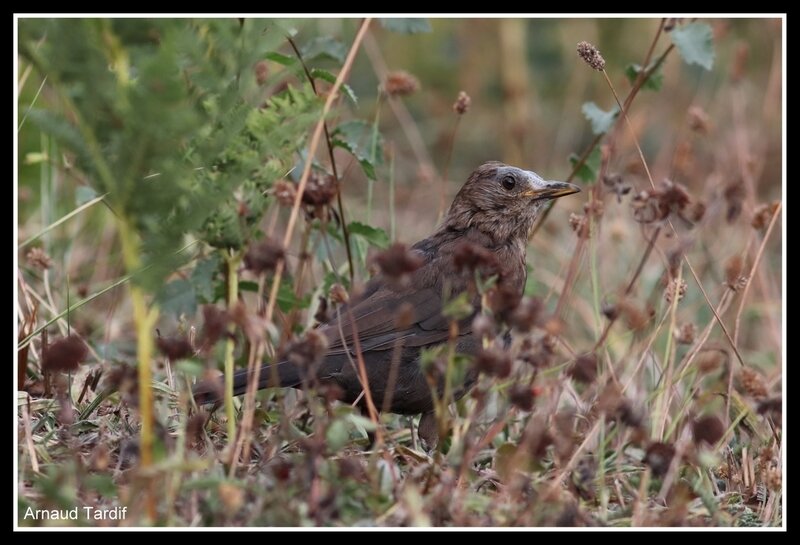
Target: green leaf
{"type": "Point", "coordinates": [600, 119]}
{"type": "Point", "coordinates": [695, 43]}
{"type": "Point", "coordinates": [178, 297]}
{"type": "Point", "coordinates": [190, 367]}
{"type": "Point", "coordinates": [319, 73]}
{"type": "Point", "coordinates": [324, 46]}
{"type": "Point", "coordinates": [588, 171]}
{"type": "Point", "coordinates": [337, 434]}
{"type": "Point", "coordinates": [84, 194]}
{"type": "Point", "coordinates": [357, 137]}
{"type": "Point", "coordinates": [653, 81]}
{"type": "Point", "coordinates": [287, 300]}
{"type": "Point", "coordinates": [203, 275]}
{"type": "Point", "coordinates": [458, 308]}
{"type": "Point", "coordinates": [407, 25]}
{"type": "Point", "coordinates": [280, 58]}
{"type": "Point", "coordinates": [373, 235]}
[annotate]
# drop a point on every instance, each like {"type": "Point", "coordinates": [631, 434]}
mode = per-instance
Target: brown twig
{"type": "Point", "coordinates": [312, 149]}
{"type": "Point", "coordinates": [334, 170]}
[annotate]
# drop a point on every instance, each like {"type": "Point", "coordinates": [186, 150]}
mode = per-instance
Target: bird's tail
{"type": "Point", "coordinates": [282, 374]}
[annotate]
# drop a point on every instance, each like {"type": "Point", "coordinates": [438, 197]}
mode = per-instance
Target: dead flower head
{"type": "Point", "coordinates": [591, 56]}
{"type": "Point", "coordinates": [263, 256]}
{"type": "Point", "coordinates": [65, 354]}
{"type": "Point", "coordinates": [38, 258]}
{"type": "Point", "coordinates": [462, 103]}
{"type": "Point", "coordinates": [400, 83]}
{"type": "Point", "coordinates": [320, 189]}
{"type": "Point", "coordinates": [397, 261]}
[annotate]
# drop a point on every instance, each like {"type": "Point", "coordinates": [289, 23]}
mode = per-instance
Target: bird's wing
{"type": "Point", "coordinates": [376, 315]}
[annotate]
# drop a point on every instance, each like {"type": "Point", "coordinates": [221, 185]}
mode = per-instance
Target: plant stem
{"type": "Point", "coordinates": [232, 259]}
{"type": "Point", "coordinates": [144, 321]}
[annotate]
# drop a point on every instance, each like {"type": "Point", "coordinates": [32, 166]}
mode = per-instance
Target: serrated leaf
{"type": "Point", "coordinates": [588, 171]}
{"type": "Point", "coordinates": [406, 25]}
{"type": "Point", "coordinates": [203, 278]}
{"type": "Point", "coordinates": [280, 58]}
{"type": "Point", "coordinates": [324, 75]}
{"type": "Point", "coordinates": [695, 43]}
{"type": "Point", "coordinates": [653, 81]}
{"type": "Point", "coordinates": [601, 120]}
{"type": "Point", "coordinates": [360, 138]}
{"type": "Point", "coordinates": [324, 46]}
{"type": "Point", "coordinates": [178, 297]}
{"type": "Point", "coordinates": [373, 235]}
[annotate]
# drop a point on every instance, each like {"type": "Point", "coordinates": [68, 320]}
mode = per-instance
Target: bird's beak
{"type": "Point", "coordinates": [552, 190]}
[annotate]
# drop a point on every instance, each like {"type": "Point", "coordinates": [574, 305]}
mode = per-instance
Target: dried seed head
{"type": "Point", "coordinates": [215, 323]}
{"type": "Point", "coordinates": [264, 255]}
{"type": "Point", "coordinates": [635, 318]}
{"type": "Point", "coordinates": [617, 185]}
{"type": "Point", "coordinates": [462, 103]}
{"type": "Point", "coordinates": [527, 314]}
{"type": "Point", "coordinates": [338, 294]}
{"type": "Point", "coordinates": [253, 325]}
{"type": "Point", "coordinates": [307, 351]}
{"type": "Point", "coordinates": [502, 299]}
{"type": "Point", "coordinates": [522, 396]}
{"type": "Point", "coordinates": [591, 56]}
{"type": "Point", "coordinates": [484, 326]}
{"type": "Point", "coordinates": [699, 120]}
{"type": "Point", "coordinates": [708, 429]}
{"type": "Point", "coordinates": [261, 70]}
{"type": "Point", "coordinates": [685, 333]}
{"type": "Point", "coordinates": [579, 224]}
{"type": "Point", "coordinates": [400, 83]}
{"type": "Point", "coordinates": [657, 204]}
{"type": "Point", "coordinates": [734, 278]}
{"type": "Point", "coordinates": [125, 379]}
{"type": "Point", "coordinates": [752, 383]}
{"type": "Point", "coordinates": [39, 259]}
{"type": "Point", "coordinates": [471, 257]}
{"type": "Point", "coordinates": [320, 189]}
{"type": "Point", "coordinates": [285, 192]}
{"type": "Point", "coordinates": [676, 288]}
{"type": "Point", "coordinates": [709, 360]}
{"type": "Point", "coordinates": [175, 348]}
{"type": "Point", "coordinates": [65, 354]}
{"type": "Point", "coordinates": [493, 362]}
{"type": "Point", "coordinates": [398, 262]}
{"type": "Point", "coordinates": [584, 369]}
{"type": "Point", "coordinates": [659, 457]}
{"type": "Point", "coordinates": [734, 195]}
{"type": "Point", "coordinates": [763, 215]}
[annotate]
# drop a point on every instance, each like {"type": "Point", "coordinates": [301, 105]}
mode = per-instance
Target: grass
{"type": "Point", "coordinates": [646, 393]}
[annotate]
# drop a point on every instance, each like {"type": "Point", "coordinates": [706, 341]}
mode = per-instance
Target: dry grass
{"type": "Point", "coordinates": [647, 390]}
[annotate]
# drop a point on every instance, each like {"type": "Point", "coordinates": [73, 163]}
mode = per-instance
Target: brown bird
{"type": "Point", "coordinates": [489, 221]}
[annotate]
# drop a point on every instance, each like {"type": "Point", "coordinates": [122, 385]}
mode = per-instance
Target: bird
{"type": "Point", "coordinates": [492, 217]}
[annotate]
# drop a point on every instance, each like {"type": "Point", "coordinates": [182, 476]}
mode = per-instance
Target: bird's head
{"type": "Point", "coordinates": [503, 201]}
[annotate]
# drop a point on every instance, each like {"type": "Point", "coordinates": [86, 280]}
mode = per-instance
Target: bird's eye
{"type": "Point", "coordinates": [508, 183]}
